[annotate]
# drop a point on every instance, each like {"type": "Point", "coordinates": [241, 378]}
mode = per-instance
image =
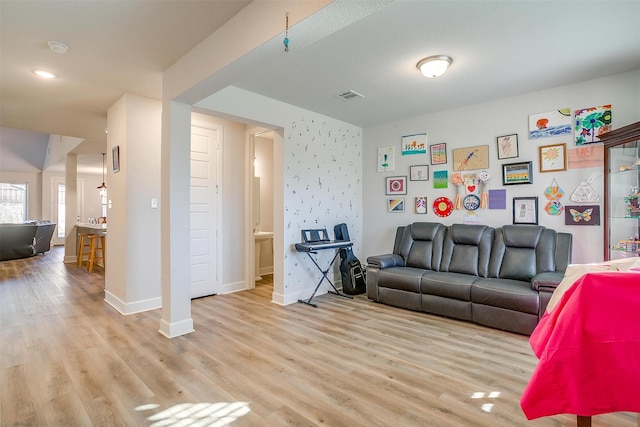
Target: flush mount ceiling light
{"type": "Point", "coordinates": [57, 47]}
{"type": "Point", "coordinates": [434, 66]}
{"type": "Point", "coordinates": [44, 74]}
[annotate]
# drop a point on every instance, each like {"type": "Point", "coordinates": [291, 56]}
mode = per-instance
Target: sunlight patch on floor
{"type": "Point", "coordinates": [197, 414]}
{"type": "Point", "coordinates": [486, 407]}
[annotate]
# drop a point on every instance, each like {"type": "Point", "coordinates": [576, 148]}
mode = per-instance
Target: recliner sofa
{"type": "Point", "coordinates": [26, 239]}
{"type": "Point", "coordinates": [498, 277]}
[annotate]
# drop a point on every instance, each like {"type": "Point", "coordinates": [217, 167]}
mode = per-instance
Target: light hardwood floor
{"type": "Point", "coordinates": [67, 358]}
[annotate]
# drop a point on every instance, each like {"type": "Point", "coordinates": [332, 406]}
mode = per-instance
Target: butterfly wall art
{"type": "Point", "coordinates": [582, 215]}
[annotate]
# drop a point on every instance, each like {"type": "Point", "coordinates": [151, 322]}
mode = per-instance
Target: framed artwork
{"type": "Point", "coordinates": [115, 154]}
{"type": "Point", "coordinates": [525, 210]}
{"type": "Point", "coordinates": [441, 179]}
{"type": "Point", "coordinates": [590, 123]}
{"type": "Point", "coordinates": [419, 173]}
{"type": "Point", "coordinates": [386, 159]}
{"type": "Point", "coordinates": [582, 215]}
{"type": "Point", "coordinates": [414, 144]}
{"type": "Point", "coordinates": [471, 158]}
{"type": "Point", "coordinates": [507, 146]}
{"type": "Point", "coordinates": [396, 185]}
{"type": "Point", "coordinates": [421, 205]}
{"type": "Point", "coordinates": [517, 173]}
{"type": "Point", "coordinates": [438, 154]}
{"type": "Point", "coordinates": [552, 123]}
{"type": "Point", "coordinates": [395, 205]}
{"type": "Point", "coordinates": [552, 157]}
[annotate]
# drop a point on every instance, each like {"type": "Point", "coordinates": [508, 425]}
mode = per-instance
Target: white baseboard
{"type": "Point", "coordinates": [127, 308]}
{"type": "Point", "coordinates": [228, 288]}
{"type": "Point", "coordinates": [176, 329]}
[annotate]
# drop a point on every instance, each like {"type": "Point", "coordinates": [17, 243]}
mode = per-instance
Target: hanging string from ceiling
{"type": "Point", "coordinates": [286, 33]}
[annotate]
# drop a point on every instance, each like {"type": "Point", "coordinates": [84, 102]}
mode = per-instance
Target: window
{"type": "Point", "coordinates": [61, 210]}
{"type": "Point", "coordinates": [13, 202]}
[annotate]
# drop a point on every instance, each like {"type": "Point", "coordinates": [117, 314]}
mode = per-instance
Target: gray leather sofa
{"type": "Point", "coordinates": [499, 277]}
{"type": "Point", "coordinates": [25, 240]}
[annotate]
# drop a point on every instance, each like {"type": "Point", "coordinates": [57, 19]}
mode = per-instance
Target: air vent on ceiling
{"type": "Point", "coordinates": [349, 95]}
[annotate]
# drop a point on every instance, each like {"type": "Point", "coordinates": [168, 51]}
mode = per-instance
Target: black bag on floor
{"type": "Point", "coordinates": [352, 272]}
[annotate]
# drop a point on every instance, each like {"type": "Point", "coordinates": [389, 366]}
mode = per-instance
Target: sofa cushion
{"type": "Point", "coordinates": [402, 278]}
{"type": "Point", "coordinates": [467, 249]}
{"type": "Point", "coordinates": [504, 293]}
{"type": "Point", "coordinates": [421, 245]}
{"type": "Point", "coordinates": [450, 285]}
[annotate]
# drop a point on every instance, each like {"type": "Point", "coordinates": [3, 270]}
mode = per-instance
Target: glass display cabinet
{"type": "Point", "coordinates": [622, 188]}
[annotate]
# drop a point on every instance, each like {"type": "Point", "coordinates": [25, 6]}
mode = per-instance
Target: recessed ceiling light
{"type": "Point", "coordinates": [45, 74]}
{"type": "Point", "coordinates": [57, 47]}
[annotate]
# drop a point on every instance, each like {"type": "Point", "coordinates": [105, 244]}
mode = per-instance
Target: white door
{"type": "Point", "coordinates": [58, 192]}
{"type": "Point", "coordinates": [204, 211]}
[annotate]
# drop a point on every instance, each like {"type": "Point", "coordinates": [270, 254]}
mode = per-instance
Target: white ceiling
{"type": "Point", "coordinates": [499, 49]}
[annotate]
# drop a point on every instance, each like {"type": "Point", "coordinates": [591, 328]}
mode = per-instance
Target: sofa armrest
{"type": "Point", "coordinates": [547, 281]}
{"type": "Point", "coordinates": [385, 261]}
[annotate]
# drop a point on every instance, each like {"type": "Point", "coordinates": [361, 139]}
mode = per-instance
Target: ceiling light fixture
{"type": "Point", "coordinates": [434, 66]}
{"type": "Point", "coordinates": [102, 186]}
{"type": "Point", "coordinates": [58, 47]}
{"type": "Point", "coordinates": [44, 74]}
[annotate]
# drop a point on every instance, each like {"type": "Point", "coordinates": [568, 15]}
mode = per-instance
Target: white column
{"type": "Point", "coordinates": [175, 244]}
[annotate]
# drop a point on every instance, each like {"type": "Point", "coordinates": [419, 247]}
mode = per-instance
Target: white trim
{"type": "Point", "coordinates": [132, 307]}
{"type": "Point", "coordinates": [229, 288]}
{"type": "Point", "coordinates": [172, 330]}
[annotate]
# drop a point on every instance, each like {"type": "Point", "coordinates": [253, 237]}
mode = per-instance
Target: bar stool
{"type": "Point", "coordinates": [94, 248]}
{"type": "Point", "coordinates": [83, 242]}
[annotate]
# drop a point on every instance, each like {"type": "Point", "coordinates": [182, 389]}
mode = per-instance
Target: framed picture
{"type": "Point", "coordinates": [517, 173]}
{"type": "Point", "coordinates": [471, 158]}
{"type": "Point", "coordinates": [414, 144]}
{"type": "Point", "coordinates": [396, 185]}
{"type": "Point", "coordinates": [395, 205]}
{"type": "Point", "coordinates": [115, 153]}
{"type": "Point", "coordinates": [553, 157]}
{"type": "Point", "coordinates": [525, 210]}
{"type": "Point", "coordinates": [507, 146]}
{"type": "Point", "coordinates": [582, 215]}
{"type": "Point", "coordinates": [421, 205]}
{"type": "Point", "coordinates": [419, 173]}
{"type": "Point", "coordinates": [438, 154]}
{"type": "Point", "coordinates": [386, 159]}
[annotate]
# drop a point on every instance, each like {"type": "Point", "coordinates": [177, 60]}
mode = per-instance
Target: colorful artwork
{"type": "Point", "coordinates": [386, 159]}
{"type": "Point", "coordinates": [395, 205]}
{"type": "Point", "coordinates": [438, 154]}
{"type": "Point", "coordinates": [396, 185]}
{"type": "Point", "coordinates": [507, 146]}
{"type": "Point", "coordinates": [553, 157]}
{"type": "Point", "coordinates": [552, 123]}
{"type": "Point", "coordinates": [586, 156]}
{"type": "Point", "coordinates": [440, 179]}
{"type": "Point", "coordinates": [582, 215]}
{"type": "Point", "coordinates": [419, 173]}
{"type": "Point", "coordinates": [498, 199]}
{"type": "Point", "coordinates": [414, 144]}
{"type": "Point", "coordinates": [421, 205]}
{"type": "Point", "coordinates": [592, 122]}
{"type": "Point", "coordinates": [471, 158]}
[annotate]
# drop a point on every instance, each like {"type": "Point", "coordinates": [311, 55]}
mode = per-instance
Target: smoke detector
{"type": "Point", "coordinates": [58, 47]}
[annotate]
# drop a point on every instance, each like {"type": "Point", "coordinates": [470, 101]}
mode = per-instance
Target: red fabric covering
{"type": "Point", "coordinates": [589, 350]}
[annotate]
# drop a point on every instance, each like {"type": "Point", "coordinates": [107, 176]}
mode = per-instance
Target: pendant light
{"type": "Point", "coordinates": [102, 186]}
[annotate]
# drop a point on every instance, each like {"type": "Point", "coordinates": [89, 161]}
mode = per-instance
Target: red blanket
{"type": "Point", "coordinates": [589, 350]}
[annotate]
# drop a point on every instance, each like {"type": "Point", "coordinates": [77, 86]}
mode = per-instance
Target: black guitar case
{"type": "Point", "coordinates": [353, 274]}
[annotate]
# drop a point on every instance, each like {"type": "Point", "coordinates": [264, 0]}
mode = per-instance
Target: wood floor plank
{"type": "Point", "coordinates": [68, 358]}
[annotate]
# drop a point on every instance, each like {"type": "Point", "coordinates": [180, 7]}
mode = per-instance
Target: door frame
{"type": "Point", "coordinates": [55, 181]}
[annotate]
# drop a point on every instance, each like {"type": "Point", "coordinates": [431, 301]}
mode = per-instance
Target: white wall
{"type": "Point", "coordinates": [132, 279]}
{"type": "Point", "coordinates": [480, 125]}
{"type": "Point", "coordinates": [321, 181]}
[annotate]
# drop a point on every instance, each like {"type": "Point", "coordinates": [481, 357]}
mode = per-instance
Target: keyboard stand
{"type": "Point", "coordinates": [324, 276]}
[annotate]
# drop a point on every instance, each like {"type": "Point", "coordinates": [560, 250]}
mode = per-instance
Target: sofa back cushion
{"type": "Point", "coordinates": [421, 245]}
{"type": "Point", "coordinates": [521, 251]}
{"type": "Point", "coordinates": [467, 249]}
